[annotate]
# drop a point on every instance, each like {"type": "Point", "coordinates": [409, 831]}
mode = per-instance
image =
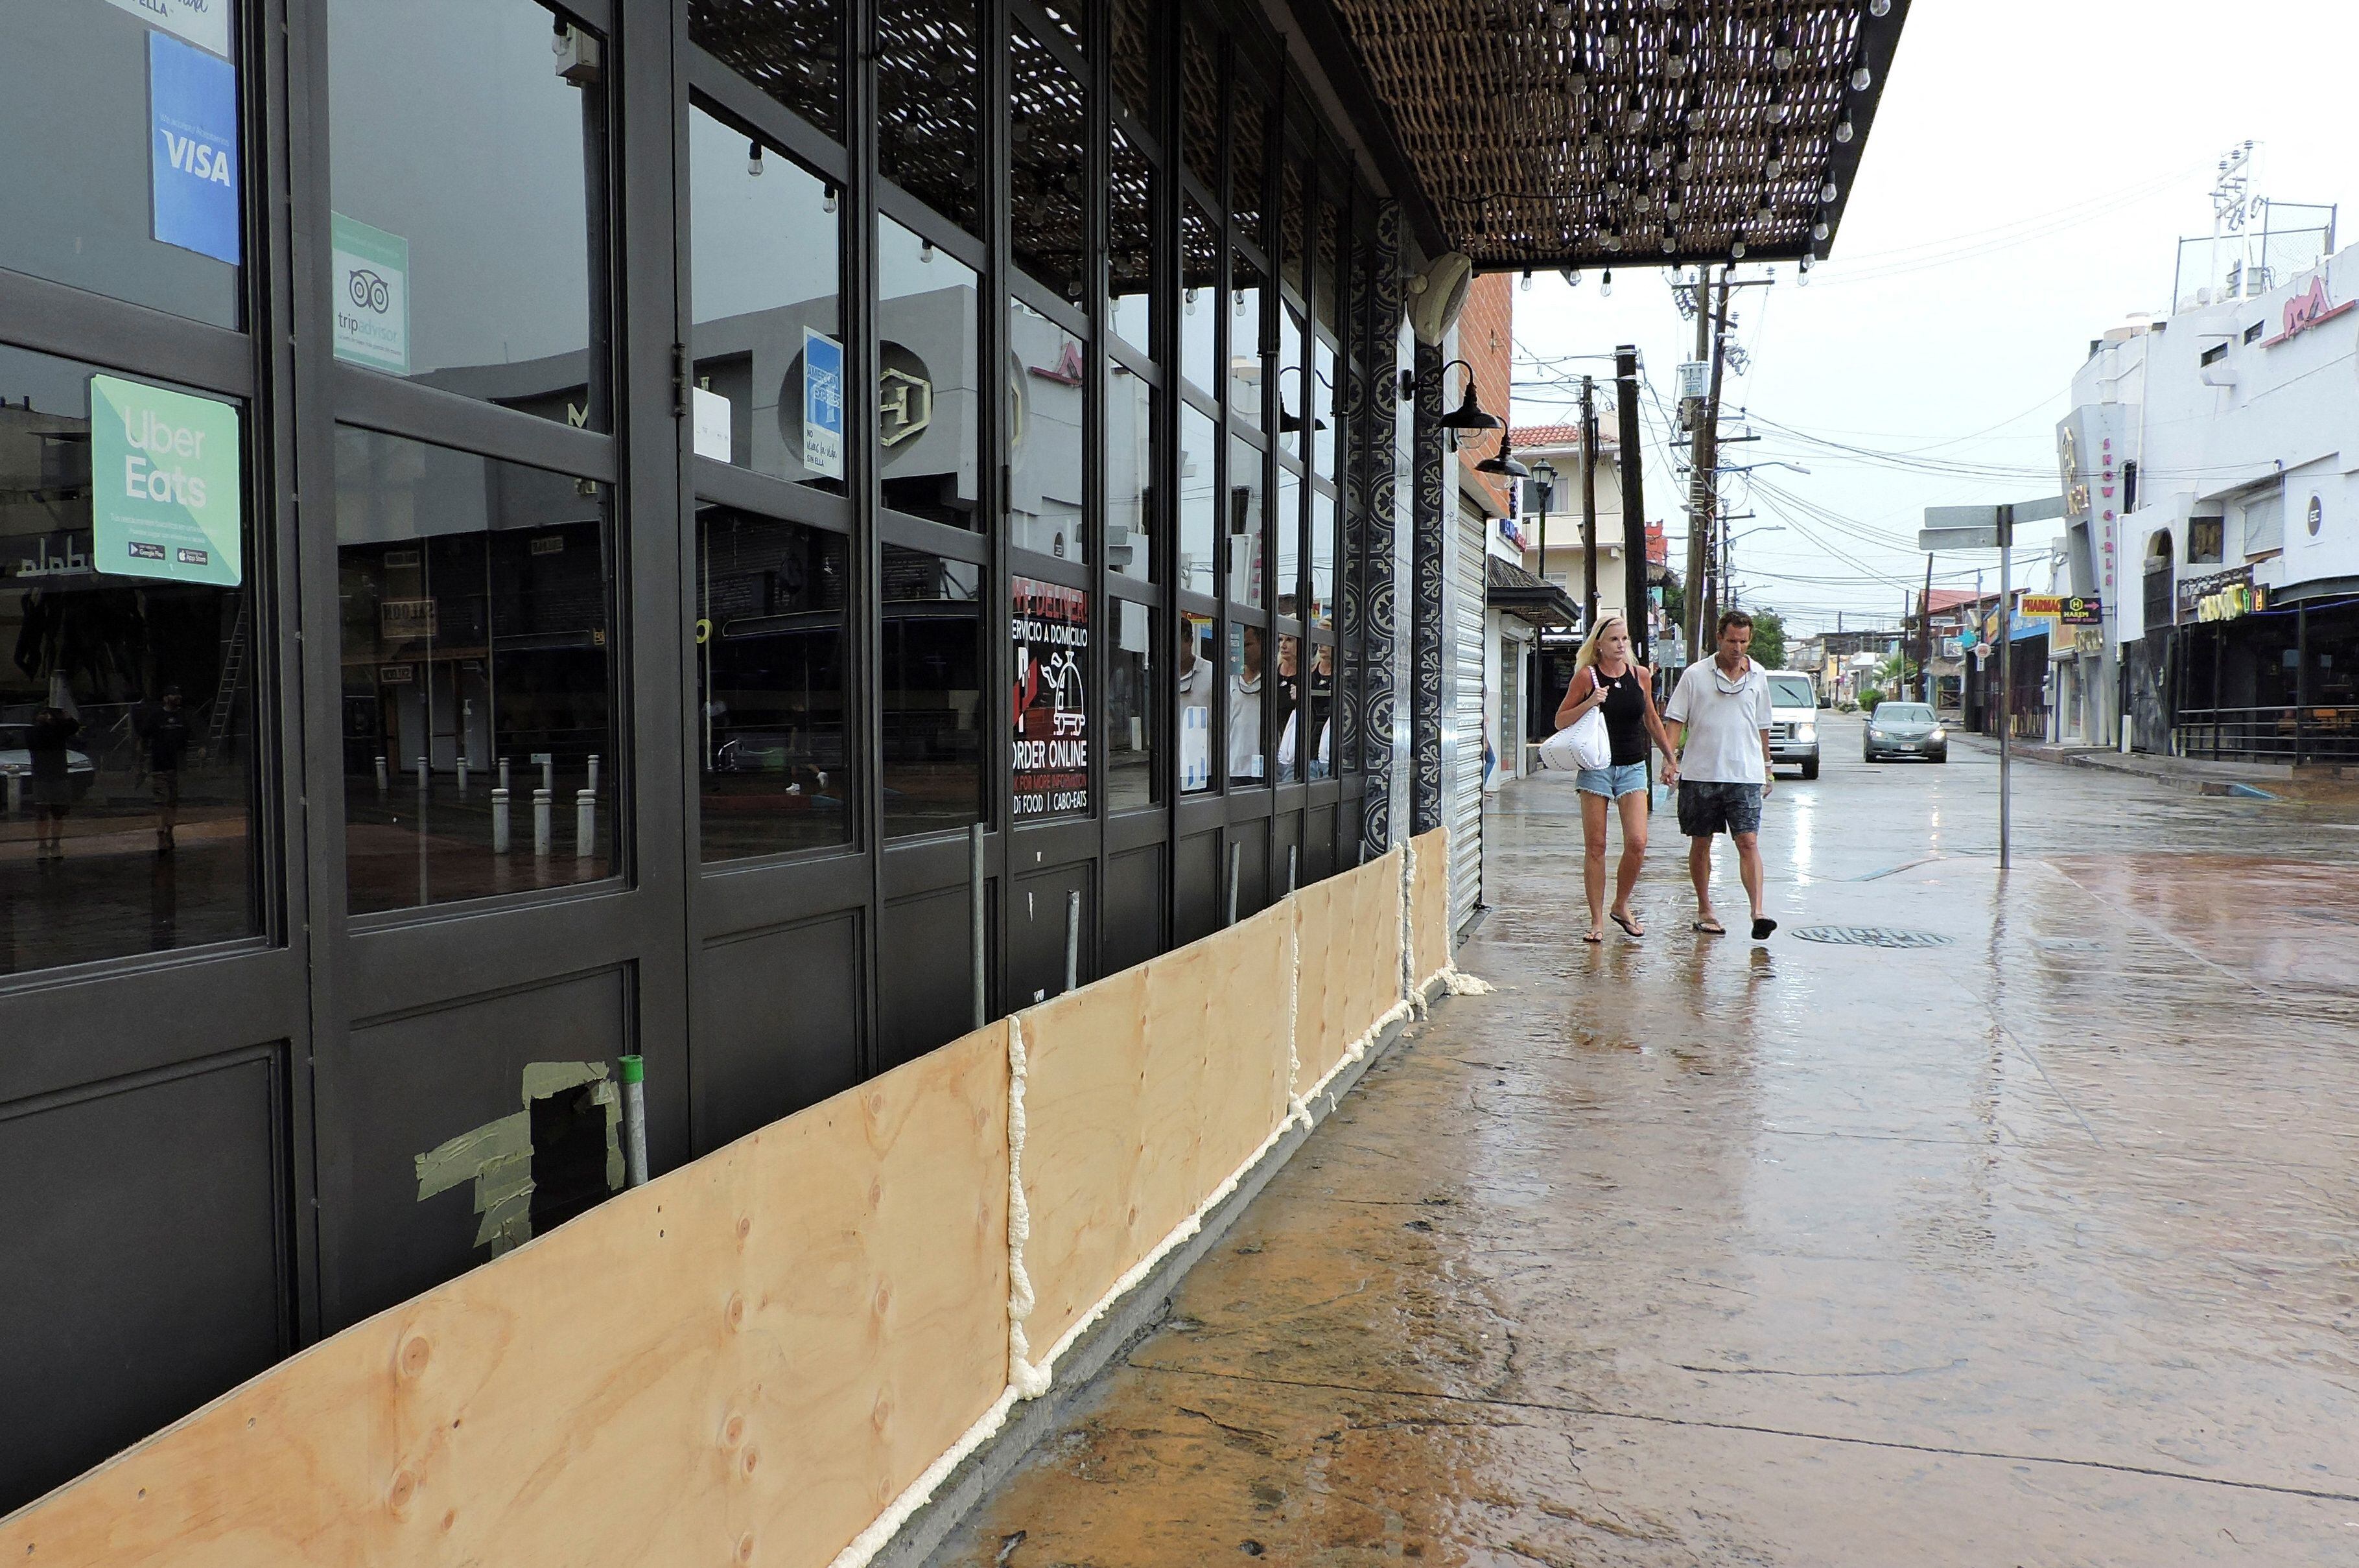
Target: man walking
{"type": "Point", "coordinates": [1721, 718]}
{"type": "Point", "coordinates": [166, 731]}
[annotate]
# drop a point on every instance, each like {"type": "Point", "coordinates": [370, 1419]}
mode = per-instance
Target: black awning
{"type": "Point", "coordinates": [1507, 586]}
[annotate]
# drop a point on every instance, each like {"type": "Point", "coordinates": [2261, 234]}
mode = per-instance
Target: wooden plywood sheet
{"type": "Point", "coordinates": [1349, 936]}
{"type": "Point", "coordinates": [1085, 1081]}
{"type": "Point", "coordinates": [746, 1360]}
{"type": "Point", "coordinates": [1430, 934]}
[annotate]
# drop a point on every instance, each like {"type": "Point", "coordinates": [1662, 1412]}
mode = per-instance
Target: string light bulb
{"type": "Point", "coordinates": [754, 159]}
{"type": "Point", "coordinates": [1605, 283]}
{"type": "Point", "coordinates": [1879, 7]}
{"type": "Point", "coordinates": [1860, 78]}
{"type": "Point", "coordinates": [1527, 280]}
{"type": "Point", "coordinates": [1843, 131]}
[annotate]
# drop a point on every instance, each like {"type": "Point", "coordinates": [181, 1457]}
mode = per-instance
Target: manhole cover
{"type": "Point", "coordinates": [1872, 936]}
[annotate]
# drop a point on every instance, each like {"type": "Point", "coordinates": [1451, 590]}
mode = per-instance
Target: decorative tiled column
{"type": "Point", "coordinates": [1378, 498]}
{"type": "Point", "coordinates": [1428, 469]}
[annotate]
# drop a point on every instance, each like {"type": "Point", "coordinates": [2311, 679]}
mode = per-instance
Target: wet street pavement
{"type": "Point", "coordinates": [2037, 1243]}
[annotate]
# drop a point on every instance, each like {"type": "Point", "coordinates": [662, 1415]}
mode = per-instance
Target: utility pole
{"type": "Point", "coordinates": [1633, 498]}
{"type": "Point", "coordinates": [1707, 543]}
{"type": "Point", "coordinates": [1588, 505]}
{"type": "Point", "coordinates": [1925, 632]}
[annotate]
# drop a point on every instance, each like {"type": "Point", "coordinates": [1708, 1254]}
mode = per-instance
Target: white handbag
{"type": "Point", "coordinates": [1583, 744]}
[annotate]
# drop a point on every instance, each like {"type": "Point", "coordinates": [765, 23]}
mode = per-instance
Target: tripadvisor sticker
{"type": "Point", "coordinates": [166, 501]}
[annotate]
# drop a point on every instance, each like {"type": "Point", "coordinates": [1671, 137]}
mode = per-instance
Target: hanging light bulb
{"type": "Point", "coordinates": [1612, 45]}
{"type": "Point", "coordinates": [1879, 7]}
{"type": "Point", "coordinates": [1860, 77]}
{"type": "Point", "coordinates": [1737, 250]}
{"type": "Point", "coordinates": [925, 250]}
{"type": "Point", "coordinates": [1527, 280]}
{"type": "Point", "coordinates": [1805, 278]}
{"type": "Point", "coordinates": [1574, 278]}
{"type": "Point", "coordinates": [1766, 215]}
{"type": "Point", "coordinates": [1188, 301]}
{"type": "Point", "coordinates": [1843, 131]}
{"type": "Point", "coordinates": [1827, 193]}
{"type": "Point", "coordinates": [1605, 283]}
{"type": "Point", "coordinates": [1819, 230]}
{"type": "Point", "coordinates": [831, 197]}
{"type": "Point", "coordinates": [1241, 302]}
{"type": "Point", "coordinates": [1669, 246]}
{"type": "Point", "coordinates": [1675, 63]}
{"type": "Point", "coordinates": [1782, 55]}
{"type": "Point", "coordinates": [753, 158]}
{"type": "Point", "coordinates": [1776, 166]}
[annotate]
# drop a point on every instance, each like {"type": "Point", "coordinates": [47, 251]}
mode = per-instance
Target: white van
{"type": "Point", "coordinates": [1794, 715]}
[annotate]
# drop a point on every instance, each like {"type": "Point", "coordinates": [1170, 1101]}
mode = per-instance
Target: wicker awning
{"type": "Point", "coordinates": [1593, 133]}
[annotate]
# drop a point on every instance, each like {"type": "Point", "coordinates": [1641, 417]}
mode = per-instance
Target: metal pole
{"type": "Point", "coordinates": [1291, 850]}
{"type": "Point", "coordinates": [380, 773]}
{"type": "Point", "coordinates": [975, 920]}
{"type": "Point", "coordinates": [585, 825]}
{"type": "Point", "coordinates": [1236, 859]}
{"type": "Point", "coordinates": [540, 833]}
{"type": "Point", "coordinates": [1588, 505]}
{"type": "Point", "coordinates": [1073, 939]}
{"type": "Point", "coordinates": [1632, 444]}
{"type": "Point", "coordinates": [499, 820]}
{"type": "Point", "coordinates": [635, 1120]}
{"type": "Point", "coordinates": [2006, 678]}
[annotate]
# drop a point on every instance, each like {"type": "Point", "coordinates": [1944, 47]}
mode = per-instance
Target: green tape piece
{"type": "Point", "coordinates": [510, 1219]}
{"type": "Point", "coordinates": [462, 1158]}
{"type": "Point", "coordinates": [542, 1079]}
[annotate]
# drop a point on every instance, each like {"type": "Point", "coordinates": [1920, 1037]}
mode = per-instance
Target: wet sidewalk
{"type": "Point", "coordinates": [2033, 1239]}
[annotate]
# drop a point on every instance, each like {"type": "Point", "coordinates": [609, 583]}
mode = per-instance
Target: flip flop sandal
{"type": "Point", "coordinates": [1710, 927]}
{"type": "Point", "coordinates": [1623, 921]}
{"type": "Point", "coordinates": [1762, 928]}
{"type": "Point", "coordinates": [1591, 937]}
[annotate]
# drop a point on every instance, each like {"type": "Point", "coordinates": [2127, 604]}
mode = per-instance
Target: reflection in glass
{"type": "Point", "coordinates": [1324, 273]}
{"type": "Point", "coordinates": [1196, 674]}
{"type": "Point", "coordinates": [1046, 381]}
{"type": "Point", "coordinates": [466, 164]}
{"type": "Point", "coordinates": [1291, 395]}
{"type": "Point", "coordinates": [76, 182]}
{"type": "Point", "coordinates": [1129, 471]}
{"type": "Point", "coordinates": [1288, 528]}
{"type": "Point", "coordinates": [476, 600]}
{"type": "Point", "coordinates": [1247, 168]}
{"type": "Point", "coordinates": [128, 808]}
{"type": "Point", "coordinates": [788, 48]}
{"type": "Point", "coordinates": [1130, 709]}
{"type": "Point", "coordinates": [1200, 105]}
{"type": "Point", "coordinates": [1048, 167]}
{"type": "Point", "coordinates": [1322, 559]}
{"type": "Point", "coordinates": [764, 247]}
{"type": "Point", "coordinates": [1293, 235]}
{"type": "Point", "coordinates": [926, 380]}
{"type": "Point", "coordinates": [770, 679]}
{"type": "Point", "coordinates": [1325, 396]}
{"type": "Point", "coordinates": [1070, 18]}
{"type": "Point", "coordinates": [1130, 240]}
{"type": "Point", "coordinates": [1200, 299]}
{"type": "Point", "coordinates": [1245, 345]}
{"type": "Point", "coordinates": [1306, 746]}
{"type": "Point", "coordinates": [929, 81]}
{"type": "Point", "coordinates": [1248, 678]}
{"type": "Point", "coordinates": [931, 680]}
{"type": "Point", "coordinates": [1247, 570]}
{"type": "Point", "coordinates": [1284, 698]}
{"type": "Point", "coordinates": [1345, 754]}
{"type": "Point", "coordinates": [1199, 511]}
{"type": "Point", "coordinates": [1135, 44]}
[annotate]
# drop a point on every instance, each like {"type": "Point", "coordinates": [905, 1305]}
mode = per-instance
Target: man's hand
{"type": "Point", "coordinates": [1768, 784]}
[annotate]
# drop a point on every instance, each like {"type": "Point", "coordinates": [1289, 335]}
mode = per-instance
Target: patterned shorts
{"type": "Point", "coordinates": [1709, 807]}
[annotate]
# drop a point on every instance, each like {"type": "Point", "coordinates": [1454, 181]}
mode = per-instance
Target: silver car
{"type": "Point", "coordinates": [16, 760]}
{"type": "Point", "coordinates": [1903, 729]}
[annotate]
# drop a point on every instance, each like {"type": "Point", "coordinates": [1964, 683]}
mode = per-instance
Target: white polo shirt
{"type": "Point", "coordinates": [1725, 715]}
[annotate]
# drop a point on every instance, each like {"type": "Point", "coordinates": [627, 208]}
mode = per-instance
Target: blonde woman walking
{"type": "Point", "coordinates": [1605, 677]}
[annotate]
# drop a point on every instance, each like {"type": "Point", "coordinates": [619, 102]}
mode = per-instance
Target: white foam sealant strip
{"type": "Point", "coordinates": [864, 1546]}
{"type": "Point", "coordinates": [1027, 1379]}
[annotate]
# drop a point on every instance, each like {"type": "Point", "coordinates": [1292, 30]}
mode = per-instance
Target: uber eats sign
{"type": "Point", "coordinates": [166, 501]}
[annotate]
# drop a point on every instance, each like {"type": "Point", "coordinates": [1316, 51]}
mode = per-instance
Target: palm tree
{"type": "Point", "coordinates": [1897, 676]}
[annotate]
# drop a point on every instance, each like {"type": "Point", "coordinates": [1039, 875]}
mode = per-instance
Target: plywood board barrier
{"type": "Point", "coordinates": [1429, 901]}
{"type": "Point", "coordinates": [746, 1360]}
{"type": "Point", "coordinates": [1348, 938]}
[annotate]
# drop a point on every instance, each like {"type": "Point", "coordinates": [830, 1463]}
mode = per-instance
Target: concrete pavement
{"type": "Point", "coordinates": [2030, 1244]}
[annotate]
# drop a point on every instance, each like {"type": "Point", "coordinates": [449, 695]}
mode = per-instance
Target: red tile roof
{"type": "Point", "coordinates": [1950, 598]}
{"type": "Point", "coordinates": [1555, 435]}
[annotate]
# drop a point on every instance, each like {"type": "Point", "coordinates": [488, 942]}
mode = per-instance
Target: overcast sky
{"type": "Point", "coordinates": [2032, 165]}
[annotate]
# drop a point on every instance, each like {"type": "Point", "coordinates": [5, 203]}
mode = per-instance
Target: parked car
{"type": "Point", "coordinates": [16, 759]}
{"type": "Point", "coordinates": [1903, 729]}
{"type": "Point", "coordinates": [1794, 723]}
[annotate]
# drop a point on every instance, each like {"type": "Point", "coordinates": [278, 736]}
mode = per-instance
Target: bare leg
{"type": "Point", "coordinates": [1593, 864]}
{"type": "Point", "coordinates": [1634, 851]}
{"type": "Point", "coordinates": [1699, 872]}
{"type": "Point", "coordinates": [1748, 865]}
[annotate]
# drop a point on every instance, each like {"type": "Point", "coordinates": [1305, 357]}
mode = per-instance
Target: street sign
{"type": "Point", "coordinates": [1981, 537]}
{"type": "Point", "coordinates": [2082, 610]}
{"type": "Point", "coordinates": [1982, 528]}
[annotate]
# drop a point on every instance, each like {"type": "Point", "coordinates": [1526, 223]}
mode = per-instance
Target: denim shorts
{"type": "Point", "coordinates": [1627, 778]}
{"type": "Point", "coordinates": [1709, 807]}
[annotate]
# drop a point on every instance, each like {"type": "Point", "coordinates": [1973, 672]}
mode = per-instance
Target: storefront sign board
{"type": "Point", "coordinates": [204, 23]}
{"type": "Point", "coordinates": [192, 148]}
{"type": "Point", "coordinates": [822, 405]}
{"type": "Point", "coordinates": [1051, 626]}
{"type": "Point", "coordinates": [371, 295]}
{"type": "Point", "coordinates": [711, 428]}
{"type": "Point", "coordinates": [167, 500]}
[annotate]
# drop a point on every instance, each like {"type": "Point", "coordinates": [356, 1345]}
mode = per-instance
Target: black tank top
{"type": "Point", "coordinates": [1626, 714]}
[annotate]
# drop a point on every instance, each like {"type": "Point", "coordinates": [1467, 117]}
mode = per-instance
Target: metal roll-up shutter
{"type": "Point", "coordinates": [1463, 762]}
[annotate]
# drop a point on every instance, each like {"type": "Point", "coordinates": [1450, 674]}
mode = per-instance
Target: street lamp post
{"type": "Point", "coordinates": [1544, 492]}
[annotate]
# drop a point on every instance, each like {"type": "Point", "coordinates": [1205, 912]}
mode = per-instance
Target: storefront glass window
{"type": "Point", "coordinates": [1293, 229]}
{"type": "Point", "coordinates": [1194, 685]}
{"type": "Point", "coordinates": [1248, 572]}
{"type": "Point", "coordinates": [1131, 676]}
{"type": "Point", "coordinates": [1048, 167]}
{"type": "Point", "coordinates": [931, 681]}
{"type": "Point", "coordinates": [1288, 528]}
{"type": "Point", "coordinates": [1136, 38]}
{"type": "Point", "coordinates": [1324, 272]}
{"type": "Point", "coordinates": [927, 378]}
{"type": "Point", "coordinates": [1245, 348]}
{"type": "Point", "coordinates": [476, 597]}
{"type": "Point", "coordinates": [1314, 734]}
{"type": "Point", "coordinates": [928, 86]}
{"type": "Point", "coordinates": [764, 270]}
{"type": "Point", "coordinates": [1130, 245]}
{"type": "Point", "coordinates": [1322, 559]}
{"type": "Point", "coordinates": [1248, 691]}
{"type": "Point", "coordinates": [1247, 148]}
{"type": "Point", "coordinates": [771, 602]}
{"type": "Point", "coordinates": [127, 811]}
{"type": "Point", "coordinates": [1046, 383]}
{"type": "Point", "coordinates": [1292, 396]}
{"type": "Point", "coordinates": [1199, 510]}
{"type": "Point", "coordinates": [1130, 431]}
{"type": "Point", "coordinates": [1200, 299]}
{"type": "Point", "coordinates": [124, 168]}
{"type": "Point", "coordinates": [1325, 396]}
{"type": "Point", "coordinates": [1284, 700]}
{"type": "Point", "coordinates": [1200, 105]}
{"type": "Point", "coordinates": [791, 49]}
{"type": "Point", "coordinates": [467, 166]}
